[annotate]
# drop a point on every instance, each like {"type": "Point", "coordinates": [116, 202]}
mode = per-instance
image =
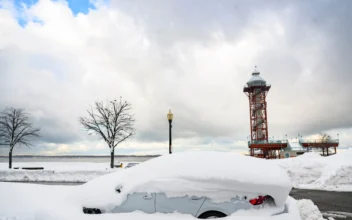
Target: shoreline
{"type": "Point", "coordinates": [75, 156]}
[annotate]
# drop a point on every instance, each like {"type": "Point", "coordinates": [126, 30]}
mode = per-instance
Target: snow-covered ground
{"type": "Point", "coordinates": [61, 166]}
{"type": "Point", "coordinates": [55, 171]}
{"type": "Point", "coordinates": [312, 171]}
{"type": "Point", "coordinates": [169, 174]}
{"type": "Point", "coordinates": [309, 171]}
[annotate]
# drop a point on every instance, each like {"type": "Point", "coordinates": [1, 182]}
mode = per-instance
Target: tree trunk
{"type": "Point", "coordinates": [10, 159]}
{"type": "Point", "coordinates": [112, 157]}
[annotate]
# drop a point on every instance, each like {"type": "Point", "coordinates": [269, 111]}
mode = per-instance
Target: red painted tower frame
{"type": "Point", "coordinates": [256, 91]}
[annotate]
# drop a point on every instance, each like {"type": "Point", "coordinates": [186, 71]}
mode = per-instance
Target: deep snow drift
{"type": "Point", "coordinates": [312, 171]}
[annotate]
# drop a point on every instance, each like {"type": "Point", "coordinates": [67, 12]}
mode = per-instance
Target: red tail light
{"type": "Point", "coordinates": [258, 201]}
{"type": "Point", "coordinates": [253, 201]}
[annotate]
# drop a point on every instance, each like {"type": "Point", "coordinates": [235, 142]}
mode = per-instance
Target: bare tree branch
{"type": "Point", "coordinates": [112, 121]}
{"type": "Point", "coordinates": [15, 128]}
{"type": "Point", "coordinates": [324, 137]}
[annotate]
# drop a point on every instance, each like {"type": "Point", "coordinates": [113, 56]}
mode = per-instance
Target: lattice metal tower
{"type": "Point", "coordinates": [257, 90]}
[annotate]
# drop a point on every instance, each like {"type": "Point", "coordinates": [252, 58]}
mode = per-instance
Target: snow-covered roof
{"type": "Point", "coordinates": [217, 175]}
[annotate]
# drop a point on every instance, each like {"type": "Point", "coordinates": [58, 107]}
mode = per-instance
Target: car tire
{"type": "Point", "coordinates": [212, 214]}
{"type": "Point", "coordinates": [91, 211]}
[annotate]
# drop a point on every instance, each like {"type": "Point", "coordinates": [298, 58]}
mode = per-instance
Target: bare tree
{"type": "Point", "coordinates": [15, 128]}
{"type": "Point", "coordinates": [324, 137]}
{"type": "Point", "coordinates": [112, 121]}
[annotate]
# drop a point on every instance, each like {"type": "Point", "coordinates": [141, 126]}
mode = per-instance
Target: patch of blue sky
{"type": "Point", "coordinates": [28, 3]}
{"type": "Point", "coordinates": [76, 6]}
{"type": "Point", "coordinates": [20, 5]}
{"type": "Point", "coordinates": [80, 6]}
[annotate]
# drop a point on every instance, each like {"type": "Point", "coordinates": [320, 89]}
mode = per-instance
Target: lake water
{"type": "Point", "coordinates": [91, 159]}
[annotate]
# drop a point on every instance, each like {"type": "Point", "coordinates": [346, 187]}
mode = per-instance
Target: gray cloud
{"type": "Point", "coordinates": [179, 21]}
{"type": "Point", "coordinates": [193, 57]}
{"type": "Point", "coordinates": [317, 92]}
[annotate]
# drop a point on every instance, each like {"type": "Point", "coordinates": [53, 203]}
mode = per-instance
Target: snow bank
{"type": "Point", "coordinates": [216, 175]}
{"type": "Point", "coordinates": [55, 172]}
{"type": "Point", "coordinates": [50, 175]}
{"type": "Point", "coordinates": [312, 171]}
{"type": "Point", "coordinates": [60, 166]}
{"type": "Point", "coordinates": [309, 211]}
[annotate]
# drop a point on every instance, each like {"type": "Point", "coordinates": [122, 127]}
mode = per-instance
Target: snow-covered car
{"type": "Point", "coordinates": [203, 184]}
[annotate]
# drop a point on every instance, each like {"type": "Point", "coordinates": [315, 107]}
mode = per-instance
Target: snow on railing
{"type": "Point", "coordinates": [268, 142]}
{"type": "Point", "coordinates": [309, 141]}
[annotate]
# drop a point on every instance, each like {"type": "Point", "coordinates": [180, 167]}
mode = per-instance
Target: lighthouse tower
{"type": "Point", "coordinates": [257, 89]}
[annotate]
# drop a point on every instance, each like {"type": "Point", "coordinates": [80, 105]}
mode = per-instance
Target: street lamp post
{"type": "Point", "coordinates": [170, 116]}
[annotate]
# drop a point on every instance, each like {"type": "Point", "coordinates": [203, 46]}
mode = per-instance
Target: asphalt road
{"type": "Point", "coordinates": [327, 201]}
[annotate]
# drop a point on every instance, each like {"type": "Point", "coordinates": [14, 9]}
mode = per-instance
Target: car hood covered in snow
{"type": "Point", "coordinates": [219, 176]}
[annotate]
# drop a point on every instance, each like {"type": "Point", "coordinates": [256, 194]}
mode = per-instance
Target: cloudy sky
{"type": "Point", "coordinates": [193, 57]}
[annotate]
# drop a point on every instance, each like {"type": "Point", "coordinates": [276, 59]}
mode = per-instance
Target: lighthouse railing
{"type": "Point", "coordinates": [278, 141]}
{"type": "Point", "coordinates": [319, 141]}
